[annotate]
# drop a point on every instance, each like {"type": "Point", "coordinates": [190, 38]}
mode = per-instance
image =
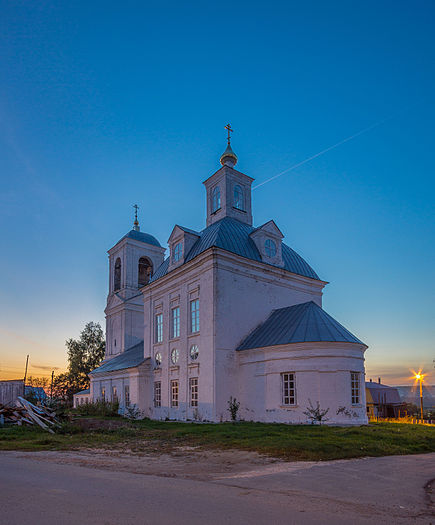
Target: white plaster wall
{"type": "Point", "coordinates": [246, 293]}
{"type": "Point", "coordinates": [322, 373]}
{"type": "Point", "coordinates": [177, 289]}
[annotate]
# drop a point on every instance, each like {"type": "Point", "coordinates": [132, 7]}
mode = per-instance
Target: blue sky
{"type": "Point", "coordinates": [105, 104]}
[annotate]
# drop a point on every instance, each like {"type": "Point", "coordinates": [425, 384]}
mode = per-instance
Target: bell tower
{"type": "Point", "coordinates": [229, 190]}
{"type": "Point", "coordinates": [132, 261]}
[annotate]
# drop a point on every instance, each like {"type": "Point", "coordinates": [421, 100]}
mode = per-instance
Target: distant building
{"type": "Point", "coordinates": [82, 397]}
{"type": "Point", "coordinates": [232, 312]}
{"type": "Point", "coordinates": [37, 392]}
{"type": "Point", "coordinates": [382, 400]}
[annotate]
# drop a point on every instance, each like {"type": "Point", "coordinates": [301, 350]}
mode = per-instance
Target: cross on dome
{"type": "Point", "coordinates": [136, 222]}
{"type": "Point", "coordinates": [228, 157]}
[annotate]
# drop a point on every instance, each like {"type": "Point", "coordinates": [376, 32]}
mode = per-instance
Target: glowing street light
{"type": "Point", "coordinates": [419, 377]}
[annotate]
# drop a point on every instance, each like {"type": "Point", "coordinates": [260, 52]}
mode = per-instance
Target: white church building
{"type": "Point", "coordinates": [231, 312]}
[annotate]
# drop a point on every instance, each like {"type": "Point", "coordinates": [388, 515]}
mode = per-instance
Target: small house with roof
{"type": "Point", "coordinates": [232, 311]}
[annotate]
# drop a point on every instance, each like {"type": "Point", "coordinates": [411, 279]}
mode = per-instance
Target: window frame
{"type": "Point", "coordinates": [194, 316]}
{"type": "Point", "coordinates": [158, 328]}
{"type": "Point", "coordinates": [158, 360]}
{"type": "Point", "coordinates": [193, 392]}
{"type": "Point", "coordinates": [175, 322]}
{"type": "Point", "coordinates": [175, 393]}
{"type": "Point", "coordinates": [194, 345]}
{"type": "Point", "coordinates": [175, 356]}
{"type": "Point", "coordinates": [127, 395]}
{"type": "Point", "coordinates": [288, 379]}
{"type": "Point", "coordinates": [177, 252]}
{"type": "Point", "coordinates": [239, 202]}
{"type": "Point", "coordinates": [114, 394]}
{"type": "Point", "coordinates": [215, 199]}
{"type": "Point", "coordinates": [269, 246]}
{"type": "Point", "coordinates": [157, 394]}
{"type": "Point", "coordinates": [355, 388]}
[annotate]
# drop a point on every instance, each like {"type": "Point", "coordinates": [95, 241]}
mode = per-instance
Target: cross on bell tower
{"type": "Point", "coordinates": [136, 222]}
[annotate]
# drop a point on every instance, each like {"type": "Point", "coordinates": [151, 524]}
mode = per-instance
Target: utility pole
{"type": "Point", "coordinates": [25, 376]}
{"type": "Point", "coordinates": [51, 387]}
{"type": "Point", "coordinates": [421, 398]}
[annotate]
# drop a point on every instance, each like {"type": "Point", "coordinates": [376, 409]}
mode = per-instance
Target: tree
{"type": "Point", "coordinates": [84, 354]}
{"type": "Point", "coordinates": [38, 381]}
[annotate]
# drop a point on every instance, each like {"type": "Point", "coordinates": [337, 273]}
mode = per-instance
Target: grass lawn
{"type": "Point", "coordinates": [293, 442]}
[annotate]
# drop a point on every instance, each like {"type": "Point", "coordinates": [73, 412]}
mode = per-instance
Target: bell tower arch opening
{"type": "Point", "coordinates": [145, 271]}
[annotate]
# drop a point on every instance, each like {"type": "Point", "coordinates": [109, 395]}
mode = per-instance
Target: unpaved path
{"type": "Point", "coordinates": [229, 487]}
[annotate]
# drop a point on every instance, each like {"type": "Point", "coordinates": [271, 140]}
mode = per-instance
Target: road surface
{"type": "Point", "coordinates": [43, 489]}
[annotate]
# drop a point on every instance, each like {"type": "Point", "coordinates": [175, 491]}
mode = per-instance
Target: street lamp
{"type": "Point", "coordinates": [419, 376]}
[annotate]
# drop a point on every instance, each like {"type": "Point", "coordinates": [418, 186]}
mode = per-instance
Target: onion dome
{"type": "Point", "coordinates": [228, 157]}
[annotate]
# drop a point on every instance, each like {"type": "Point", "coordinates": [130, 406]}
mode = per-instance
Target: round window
{"type": "Point", "coordinates": [194, 352]}
{"type": "Point", "coordinates": [158, 358]}
{"type": "Point", "coordinates": [270, 248]}
{"type": "Point", "coordinates": [174, 356]}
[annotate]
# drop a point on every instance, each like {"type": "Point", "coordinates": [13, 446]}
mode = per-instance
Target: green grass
{"type": "Point", "coordinates": [295, 442]}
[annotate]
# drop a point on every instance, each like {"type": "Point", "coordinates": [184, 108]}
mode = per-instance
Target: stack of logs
{"type": "Point", "coordinates": [25, 413]}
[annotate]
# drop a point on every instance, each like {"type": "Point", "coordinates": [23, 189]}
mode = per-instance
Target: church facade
{"type": "Point", "coordinates": [232, 312]}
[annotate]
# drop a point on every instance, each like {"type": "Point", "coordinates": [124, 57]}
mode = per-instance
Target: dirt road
{"type": "Point", "coordinates": [193, 487]}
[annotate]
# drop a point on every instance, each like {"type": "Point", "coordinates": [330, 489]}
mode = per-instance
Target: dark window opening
{"type": "Point", "coordinates": [145, 271]}
{"type": "Point", "coordinates": [117, 279]}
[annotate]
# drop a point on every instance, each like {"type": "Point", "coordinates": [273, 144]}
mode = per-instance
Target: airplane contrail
{"type": "Point", "coordinates": [368, 128]}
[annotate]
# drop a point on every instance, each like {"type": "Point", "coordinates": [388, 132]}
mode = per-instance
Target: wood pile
{"type": "Point", "coordinates": [25, 413]}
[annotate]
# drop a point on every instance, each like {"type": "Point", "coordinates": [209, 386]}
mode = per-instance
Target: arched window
{"type": "Point", "coordinates": [270, 248]}
{"type": "Point", "coordinates": [145, 270]}
{"type": "Point", "coordinates": [117, 275]}
{"type": "Point", "coordinates": [216, 199]}
{"type": "Point", "coordinates": [238, 197]}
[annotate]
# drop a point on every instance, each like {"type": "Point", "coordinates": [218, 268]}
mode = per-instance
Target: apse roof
{"type": "Point", "coordinates": [301, 323]}
{"type": "Point", "coordinates": [131, 358]}
{"type": "Point", "coordinates": [142, 237]}
{"type": "Point", "coordinates": [233, 236]}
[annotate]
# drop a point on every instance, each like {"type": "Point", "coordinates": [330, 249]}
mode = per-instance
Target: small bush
{"type": "Point", "coordinates": [233, 408]}
{"type": "Point", "coordinates": [98, 408]}
{"type": "Point", "coordinates": [133, 412]}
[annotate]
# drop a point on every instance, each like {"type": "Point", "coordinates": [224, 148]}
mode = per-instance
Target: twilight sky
{"type": "Point", "coordinates": [104, 104]}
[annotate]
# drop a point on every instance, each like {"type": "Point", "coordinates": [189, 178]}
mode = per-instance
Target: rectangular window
{"type": "Point", "coordinates": [103, 393]}
{"type": "Point", "coordinates": [158, 328]}
{"type": "Point", "coordinates": [127, 395]}
{"type": "Point", "coordinates": [175, 322]}
{"type": "Point", "coordinates": [193, 387]}
{"type": "Point", "coordinates": [288, 388]}
{"type": "Point", "coordinates": [157, 394]}
{"type": "Point", "coordinates": [174, 394]}
{"type": "Point", "coordinates": [194, 316]}
{"type": "Point", "coordinates": [114, 394]}
{"type": "Point", "coordinates": [354, 383]}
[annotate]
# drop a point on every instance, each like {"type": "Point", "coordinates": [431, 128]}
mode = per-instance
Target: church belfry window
{"type": "Point", "coordinates": [145, 271]}
{"type": "Point", "coordinates": [238, 197]}
{"type": "Point", "coordinates": [117, 275]}
{"type": "Point", "coordinates": [216, 199]}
